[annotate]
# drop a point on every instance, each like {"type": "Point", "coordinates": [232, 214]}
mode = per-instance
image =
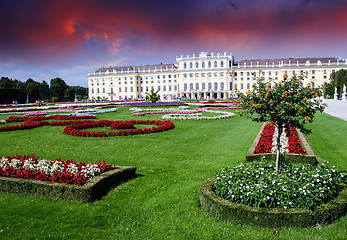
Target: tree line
{"type": "Point", "coordinates": [337, 82]}
{"type": "Point", "coordinates": [57, 91]}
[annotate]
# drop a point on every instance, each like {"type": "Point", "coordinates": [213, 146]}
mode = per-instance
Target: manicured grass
{"type": "Point", "coordinates": [162, 203]}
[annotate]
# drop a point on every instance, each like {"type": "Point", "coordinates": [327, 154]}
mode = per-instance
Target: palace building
{"type": "Point", "coordinates": [204, 76]}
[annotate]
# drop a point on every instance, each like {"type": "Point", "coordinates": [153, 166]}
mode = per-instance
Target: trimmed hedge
{"type": "Point", "coordinates": [94, 189]}
{"type": "Point", "coordinates": [309, 157]}
{"type": "Point", "coordinates": [270, 217]}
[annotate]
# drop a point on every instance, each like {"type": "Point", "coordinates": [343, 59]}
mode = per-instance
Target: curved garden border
{"type": "Point", "coordinates": [75, 129]}
{"type": "Point", "coordinates": [308, 157]}
{"type": "Point", "coordinates": [295, 217]}
{"type": "Point", "coordinates": [94, 189]}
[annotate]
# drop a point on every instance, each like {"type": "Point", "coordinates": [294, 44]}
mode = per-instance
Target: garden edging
{"type": "Point", "coordinates": [265, 217]}
{"type": "Point", "coordinates": [94, 189]}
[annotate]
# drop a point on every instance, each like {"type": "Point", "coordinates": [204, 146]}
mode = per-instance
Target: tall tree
{"type": "Point", "coordinates": [57, 88]}
{"type": "Point", "coordinates": [32, 89]}
{"type": "Point", "coordinates": [44, 90]}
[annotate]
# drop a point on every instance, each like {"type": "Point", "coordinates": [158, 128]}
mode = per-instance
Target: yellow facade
{"type": "Point", "coordinates": [204, 76]}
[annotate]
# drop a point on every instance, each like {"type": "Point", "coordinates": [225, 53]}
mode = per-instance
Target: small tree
{"type": "Point", "coordinates": [284, 104]}
{"type": "Point", "coordinates": [152, 96]}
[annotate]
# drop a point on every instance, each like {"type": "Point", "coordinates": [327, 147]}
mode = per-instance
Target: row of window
{"type": "Point", "coordinates": [203, 64]}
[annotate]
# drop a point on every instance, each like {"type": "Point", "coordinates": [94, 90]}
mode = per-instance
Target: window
{"type": "Point", "coordinates": [221, 74]}
{"type": "Point", "coordinates": [221, 64]}
{"type": "Point", "coordinates": [147, 89]}
{"type": "Point", "coordinates": [209, 74]}
{"type": "Point", "coordinates": [215, 74]}
{"type": "Point", "coordinates": [269, 73]}
{"type": "Point", "coordinates": [235, 74]}
{"type": "Point", "coordinates": [158, 76]}
{"type": "Point", "coordinates": [131, 89]}
{"type": "Point", "coordinates": [202, 74]}
{"type": "Point", "coordinates": [92, 91]}
{"type": "Point", "coordinates": [190, 65]}
{"type": "Point", "coordinates": [235, 86]}
{"type": "Point", "coordinates": [111, 90]}
{"type": "Point", "coordinates": [215, 63]}
{"type": "Point", "coordinates": [196, 65]}
{"type": "Point", "coordinates": [196, 74]}
{"type": "Point", "coordinates": [325, 71]}
{"type": "Point", "coordinates": [169, 87]}
{"type": "Point", "coordinates": [313, 72]}
{"type": "Point", "coordinates": [248, 85]}
{"type": "Point", "coordinates": [185, 75]}
{"type": "Point", "coordinates": [215, 86]}
{"type": "Point", "coordinates": [191, 75]}
{"type": "Point", "coordinates": [222, 86]}
{"type": "Point", "coordinates": [241, 85]}
{"type": "Point", "coordinates": [164, 88]}
{"type": "Point", "coordinates": [276, 73]}
{"type": "Point", "coordinates": [209, 86]}
{"type": "Point", "coordinates": [185, 65]}
{"type": "Point", "coordinates": [209, 64]}
{"type": "Point", "coordinates": [197, 86]}
{"type": "Point", "coordinates": [203, 65]}
{"type": "Point", "coordinates": [203, 86]}
{"type": "Point", "coordinates": [185, 87]}
{"type": "Point", "coordinates": [120, 89]}
{"type": "Point", "coordinates": [241, 73]}
{"type": "Point", "coordinates": [97, 90]}
{"type": "Point", "coordinates": [191, 86]}
{"type": "Point", "coordinates": [125, 89]}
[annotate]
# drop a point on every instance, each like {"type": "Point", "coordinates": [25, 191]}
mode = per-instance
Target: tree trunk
{"type": "Point", "coordinates": [279, 133]}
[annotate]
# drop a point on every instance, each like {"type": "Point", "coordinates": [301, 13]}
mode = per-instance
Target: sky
{"type": "Point", "coordinates": [44, 39]}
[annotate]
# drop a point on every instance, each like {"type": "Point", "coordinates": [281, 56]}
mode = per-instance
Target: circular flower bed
{"type": "Point", "coordinates": [75, 128]}
{"type": "Point", "coordinates": [68, 171]}
{"type": "Point", "coordinates": [257, 184]}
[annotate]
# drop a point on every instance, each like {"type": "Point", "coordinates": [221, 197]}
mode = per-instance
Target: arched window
{"type": "Point", "coordinates": [209, 64]}
{"type": "Point", "coordinates": [196, 65]}
{"type": "Point", "coordinates": [215, 86]}
{"type": "Point", "coordinates": [203, 65]}
{"type": "Point", "coordinates": [190, 65]}
{"type": "Point", "coordinates": [185, 65]}
{"type": "Point", "coordinates": [185, 87]}
{"type": "Point", "coordinates": [215, 64]}
{"type": "Point", "coordinates": [191, 86]}
{"type": "Point", "coordinates": [111, 90]}
{"type": "Point", "coordinates": [197, 86]}
{"type": "Point", "coordinates": [203, 86]}
{"type": "Point", "coordinates": [209, 86]}
{"type": "Point", "coordinates": [222, 86]}
{"type": "Point", "coordinates": [221, 64]}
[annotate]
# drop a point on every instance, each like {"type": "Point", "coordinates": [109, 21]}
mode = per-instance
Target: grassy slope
{"type": "Point", "coordinates": [163, 202]}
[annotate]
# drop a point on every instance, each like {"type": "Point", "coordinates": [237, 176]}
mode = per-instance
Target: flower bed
{"type": "Point", "coordinates": [289, 139]}
{"type": "Point", "coordinates": [94, 188]}
{"type": "Point", "coordinates": [154, 104]}
{"type": "Point", "coordinates": [199, 116]}
{"type": "Point", "coordinates": [30, 167]}
{"type": "Point", "coordinates": [295, 147]}
{"type": "Point", "coordinates": [75, 129]}
{"type": "Point", "coordinates": [229, 211]}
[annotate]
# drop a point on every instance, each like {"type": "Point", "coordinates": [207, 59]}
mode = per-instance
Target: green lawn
{"type": "Point", "coordinates": [162, 203]}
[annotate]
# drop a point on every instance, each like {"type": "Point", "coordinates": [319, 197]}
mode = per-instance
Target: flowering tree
{"type": "Point", "coordinates": [287, 103]}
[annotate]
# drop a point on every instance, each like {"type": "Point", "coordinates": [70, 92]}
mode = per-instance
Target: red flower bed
{"type": "Point", "coordinates": [265, 141]}
{"type": "Point", "coordinates": [294, 144]}
{"type": "Point", "coordinates": [29, 167]}
{"type": "Point", "coordinates": [74, 129]}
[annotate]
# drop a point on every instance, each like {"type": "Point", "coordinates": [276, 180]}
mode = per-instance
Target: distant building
{"type": "Point", "coordinates": [206, 75]}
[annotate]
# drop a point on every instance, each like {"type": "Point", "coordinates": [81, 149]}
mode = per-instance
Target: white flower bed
{"type": "Point", "coordinates": [284, 142]}
{"type": "Point", "coordinates": [198, 116]}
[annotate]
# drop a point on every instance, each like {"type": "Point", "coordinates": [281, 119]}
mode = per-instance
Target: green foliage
{"type": "Point", "coordinates": [152, 96]}
{"type": "Point", "coordinates": [285, 103]}
{"type": "Point", "coordinates": [329, 90]}
{"type": "Point", "coordinates": [57, 88]}
{"type": "Point", "coordinates": [338, 80]}
{"type": "Point", "coordinates": [256, 184]}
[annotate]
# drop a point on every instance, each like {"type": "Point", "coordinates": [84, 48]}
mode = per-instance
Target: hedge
{"type": "Point", "coordinates": [270, 217]}
{"type": "Point", "coordinates": [94, 189]}
{"type": "Point", "coordinates": [309, 157]}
